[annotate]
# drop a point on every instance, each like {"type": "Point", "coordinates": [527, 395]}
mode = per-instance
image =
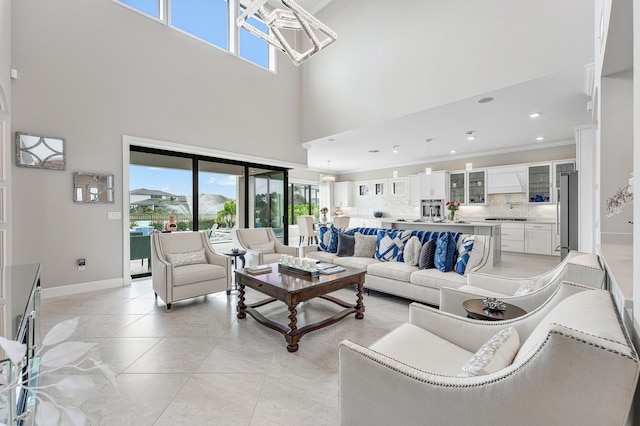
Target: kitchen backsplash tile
{"type": "Point", "coordinates": [499, 205]}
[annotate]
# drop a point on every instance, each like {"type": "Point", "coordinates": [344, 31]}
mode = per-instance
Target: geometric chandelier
{"type": "Point", "coordinates": [293, 18]}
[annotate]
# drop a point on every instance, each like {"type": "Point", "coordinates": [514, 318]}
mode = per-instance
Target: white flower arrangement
{"type": "Point", "coordinates": [59, 354]}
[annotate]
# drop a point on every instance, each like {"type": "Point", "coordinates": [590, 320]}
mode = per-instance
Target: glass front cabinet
{"type": "Point", "coordinates": [562, 167]}
{"type": "Point", "coordinates": [456, 187]}
{"type": "Point", "coordinates": [468, 187]}
{"type": "Point", "coordinates": [477, 187]}
{"type": "Point", "coordinates": [539, 183]}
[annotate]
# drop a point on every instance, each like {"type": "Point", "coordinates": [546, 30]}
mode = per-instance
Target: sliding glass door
{"type": "Point", "coordinates": [200, 193]}
{"type": "Point", "coordinates": [269, 201]}
{"type": "Point", "coordinates": [218, 193]}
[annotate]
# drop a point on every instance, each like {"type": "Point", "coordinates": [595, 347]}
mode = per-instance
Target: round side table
{"type": "Point", "coordinates": [236, 255]}
{"type": "Point", "coordinates": [476, 310]}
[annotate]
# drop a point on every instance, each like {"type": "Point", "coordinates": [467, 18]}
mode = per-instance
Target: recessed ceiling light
{"type": "Point", "coordinates": [453, 151]}
{"type": "Point", "coordinates": [540, 138]}
{"type": "Point", "coordinates": [485, 100]}
{"type": "Point", "coordinates": [535, 115]}
{"type": "Point", "coordinates": [470, 136]}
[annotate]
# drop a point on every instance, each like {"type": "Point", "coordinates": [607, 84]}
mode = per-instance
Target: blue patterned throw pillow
{"type": "Point", "coordinates": [332, 247]}
{"type": "Point", "coordinates": [464, 253]}
{"type": "Point", "coordinates": [445, 256]}
{"type": "Point", "coordinates": [323, 241]}
{"type": "Point", "coordinates": [391, 244]}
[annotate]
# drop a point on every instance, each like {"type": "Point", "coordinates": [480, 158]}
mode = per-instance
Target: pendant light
{"type": "Point", "coordinates": [328, 178]}
{"type": "Point", "coordinates": [470, 137]}
{"type": "Point", "coordinates": [427, 170]}
{"type": "Point", "coordinates": [395, 168]}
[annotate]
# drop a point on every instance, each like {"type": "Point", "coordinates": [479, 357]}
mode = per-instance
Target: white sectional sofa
{"type": "Point", "coordinates": [572, 363]}
{"type": "Point", "coordinates": [411, 282]}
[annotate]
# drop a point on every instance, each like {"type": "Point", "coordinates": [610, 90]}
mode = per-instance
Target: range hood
{"type": "Point", "coordinates": [506, 180]}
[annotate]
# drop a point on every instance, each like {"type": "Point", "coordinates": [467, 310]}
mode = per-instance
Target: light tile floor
{"type": "Point", "coordinates": [199, 364]}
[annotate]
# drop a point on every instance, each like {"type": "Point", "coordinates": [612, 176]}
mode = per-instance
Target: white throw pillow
{"type": "Point", "coordinates": [494, 355]}
{"type": "Point", "coordinates": [187, 258]}
{"type": "Point", "coordinates": [411, 252]}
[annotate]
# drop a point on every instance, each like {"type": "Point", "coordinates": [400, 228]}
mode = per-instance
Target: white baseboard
{"type": "Point", "coordinates": [66, 290]}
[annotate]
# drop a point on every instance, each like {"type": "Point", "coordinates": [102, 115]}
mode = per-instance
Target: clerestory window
{"type": "Point", "coordinates": [213, 21]}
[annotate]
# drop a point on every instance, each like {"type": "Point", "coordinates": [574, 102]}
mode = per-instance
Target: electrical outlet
{"type": "Point", "coordinates": [114, 215]}
{"type": "Point", "coordinates": [81, 264]}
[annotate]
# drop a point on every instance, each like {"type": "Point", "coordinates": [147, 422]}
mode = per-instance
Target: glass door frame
{"type": "Point", "coordinates": [245, 216]}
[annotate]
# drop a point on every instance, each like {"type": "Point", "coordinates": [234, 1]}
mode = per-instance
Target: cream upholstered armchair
{"type": "Point", "coordinates": [569, 362]}
{"type": "Point", "coordinates": [341, 222]}
{"type": "Point", "coordinates": [185, 266]}
{"type": "Point", "coordinates": [526, 293]}
{"type": "Point", "coordinates": [306, 229]}
{"type": "Point", "coordinates": [261, 245]}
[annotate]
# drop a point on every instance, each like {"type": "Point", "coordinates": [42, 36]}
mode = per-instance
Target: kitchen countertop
{"type": "Point", "coordinates": [465, 223]}
{"type": "Point", "coordinates": [473, 220]}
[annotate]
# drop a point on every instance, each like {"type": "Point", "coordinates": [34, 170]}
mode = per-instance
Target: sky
{"type": "Point", "coordinates": [178, 182]}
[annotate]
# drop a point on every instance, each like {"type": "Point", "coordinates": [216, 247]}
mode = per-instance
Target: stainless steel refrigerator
{"type": "Point", "coordinates": [568, 212]}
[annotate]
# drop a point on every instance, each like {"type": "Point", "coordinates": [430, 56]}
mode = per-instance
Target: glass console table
{"type": "Point", "coordinates": [21, 284]}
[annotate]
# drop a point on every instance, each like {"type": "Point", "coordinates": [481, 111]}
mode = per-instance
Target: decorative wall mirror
{"type": "Point", "coordinates": [92, 188]}
{"type": "Point", "coordinates": [40, 152]}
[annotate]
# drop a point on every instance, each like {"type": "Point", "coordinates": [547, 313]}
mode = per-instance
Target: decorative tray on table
{"type": "Point", "coordinates": [292, 269]}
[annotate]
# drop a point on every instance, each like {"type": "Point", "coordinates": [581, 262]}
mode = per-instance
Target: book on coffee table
{"type": "Point", "coordinates": [260, 269]}
{"type": "Point", "coordinates": [324, 265]}
{"type": "Point", "coordinates": [333, 270]}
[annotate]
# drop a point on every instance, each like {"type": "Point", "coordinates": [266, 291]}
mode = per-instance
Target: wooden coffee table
{"type": "Point", "coordinates": [475, 309]}
{"type": "Point", "coordinates": [293, 289]}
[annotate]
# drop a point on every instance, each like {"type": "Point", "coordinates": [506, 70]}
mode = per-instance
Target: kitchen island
{"type": "Point", "coordinates": [475, 228]}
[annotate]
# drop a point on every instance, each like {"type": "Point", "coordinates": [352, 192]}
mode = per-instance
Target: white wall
{"type": "Point", "coordinates": [5, 117]}
{"type": "Point", "coordinates": [396, 60]}
{"type": "Point", "coordinates": [616, 133]}
{"type": "Point", "coordinates": [91, 71]}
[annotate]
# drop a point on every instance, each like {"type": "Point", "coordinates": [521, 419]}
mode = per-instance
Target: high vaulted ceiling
{"type": "Point", "coordinates": [502, 125]}
{"type": "Point", "coordinates": [543, 52]}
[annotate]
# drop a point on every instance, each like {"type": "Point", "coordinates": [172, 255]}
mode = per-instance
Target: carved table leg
{"type": "Point", "coordinates": [241, 306]}
{"type": "Point", "coordinates": [292, 337]}
{"type": "Point", "coordinates": [359, 304]}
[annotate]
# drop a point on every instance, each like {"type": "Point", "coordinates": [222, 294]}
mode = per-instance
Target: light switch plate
{"type": "Point", "coordinates": [114, 215]}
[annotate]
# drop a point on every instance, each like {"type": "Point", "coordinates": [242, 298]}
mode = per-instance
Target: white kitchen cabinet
{"type": "Point", "coordinates": [512, 237]}
{"type": "Point", "coordinates": [540, 182]}
{"type": "Point", "coordinates": [433, 186]}
{"type": "Point", "coordinates": [414, 190]}
{"type": "Point", "coordinates": [397, 187]}
{"type": "Point", "coordinates": [562, 167]}
{"type": "Point", "coordinates": [556, 240]}
{"type": "Point", "coordinates": [457, 192]}
{"type": "Point", "coordinates": [343, 194]}
{"type": "Point", "coordinates": [538, 238]}
{"type": "Point", "coordinates": [476, 187]}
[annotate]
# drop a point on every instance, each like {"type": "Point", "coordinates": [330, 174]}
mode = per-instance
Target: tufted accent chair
{"type": "Point", "coordinates": [255, 242]}
{"type": "Point", "coordinates": [173, 280]}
